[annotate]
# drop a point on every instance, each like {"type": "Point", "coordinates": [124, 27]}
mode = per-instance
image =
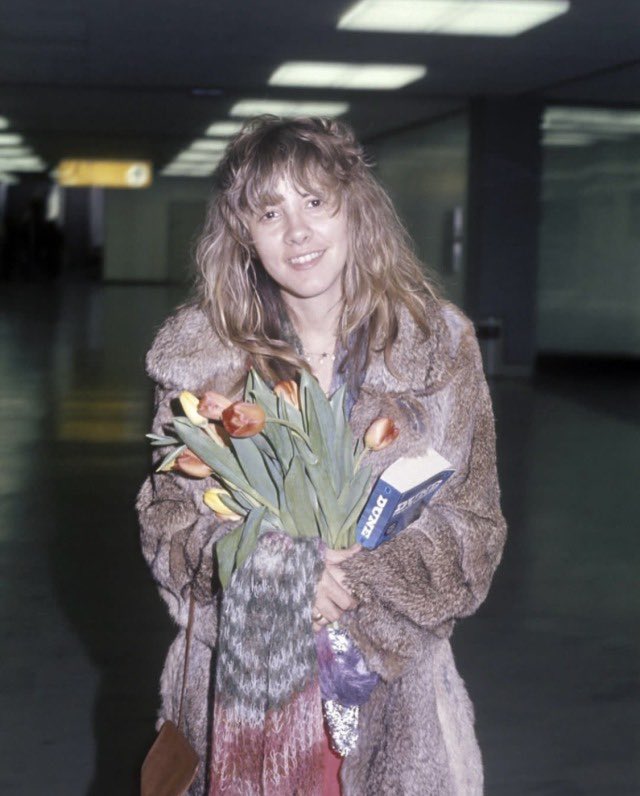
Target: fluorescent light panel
{"type": "Point", "coordinates": [208, 145]}
{"type": "Point", "coordinates": [21, 164]}
{"type": "Point", "coordinates": [223, 129]}
{"type": "Point", "coordinates": [197, 157]}
{"type": "Point", "coordinates": [592, 120]}
{"type": "Point", "coordinates": [328, 74]}
{"type": "Point", "coordinates": [10, 139]}
{"type": "Point", "coordinates": [15, 151]}
{"type": "Point", "coordinates": [561, 138]}
{"type": "Point", "coordinates": [287, 108]}
{"type": "Point", "coordinates": [452, 17]}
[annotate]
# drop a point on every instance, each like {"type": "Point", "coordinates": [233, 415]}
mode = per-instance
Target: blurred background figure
{"type": "Point", "coordinates": [508, 134]}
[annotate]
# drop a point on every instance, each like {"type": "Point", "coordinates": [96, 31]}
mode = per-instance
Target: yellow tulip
{"type": "Point", "coordinates": [212, 498]}
{"type": "Point", "coordinates": [189, 403]}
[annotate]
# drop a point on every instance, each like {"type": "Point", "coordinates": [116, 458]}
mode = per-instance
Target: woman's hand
{"type": "Point", "coordinates": [332, 596]}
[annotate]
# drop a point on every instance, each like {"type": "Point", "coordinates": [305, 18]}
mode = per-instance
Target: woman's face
{"type": "Point", "coordinates": [302, 244]}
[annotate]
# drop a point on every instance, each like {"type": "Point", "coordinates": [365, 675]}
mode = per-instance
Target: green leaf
{"type": "Point", "coordinates": [280, 440]}
{"type": "Point", "coordinates": [251, 460]}
{"type": "Point", "coordinates": [170, 458]}
{"type": "Point", "coordinates": [221, 460]}
{"type": "Point", "coordinates": [226, 550]}
{"type": "Point", "coordinates": [231, 503]}
{"type": "Point", "coordinates": [250, 533]}
{"type": "Point", "coordinates": [256, 389]}
{"type": "Point", "coordinates": [352, 501]}
{"type": "Point", "coordinates": [297, 496]}
{"type": "Point", "coordinates": [156, 439]}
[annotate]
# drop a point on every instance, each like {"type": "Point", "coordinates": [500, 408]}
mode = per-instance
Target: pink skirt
{"type": "Point", "coordinates": [331, 762]}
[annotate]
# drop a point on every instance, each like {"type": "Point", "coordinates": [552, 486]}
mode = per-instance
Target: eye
{"type": "Point", "coordinates": [269, 215]}
{"type": "Point", "coordinates": [314, 202]}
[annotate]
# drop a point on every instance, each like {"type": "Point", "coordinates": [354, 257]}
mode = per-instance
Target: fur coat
{"type": "Point", "coordinates": [416, 731]}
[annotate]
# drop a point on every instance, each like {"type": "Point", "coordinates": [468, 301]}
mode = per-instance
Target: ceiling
{"type": "Point", "coordinates": [143, 78]}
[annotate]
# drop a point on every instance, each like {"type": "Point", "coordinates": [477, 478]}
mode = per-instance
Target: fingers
{"type": "Point", "coordinates": [332, 598]}
{"type": "Point", "coordinates": [338, 556]}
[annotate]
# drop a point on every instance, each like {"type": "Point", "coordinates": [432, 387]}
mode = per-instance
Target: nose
{"type": "Point", "coordinates": [297, 230]}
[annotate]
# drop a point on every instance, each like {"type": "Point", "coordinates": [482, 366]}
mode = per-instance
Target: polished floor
{"type": "Point", "coordinates": [552, 659]}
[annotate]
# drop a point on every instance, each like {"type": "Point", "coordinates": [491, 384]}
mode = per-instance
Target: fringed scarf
{"type": "Point", "coordinates": [267, 724]}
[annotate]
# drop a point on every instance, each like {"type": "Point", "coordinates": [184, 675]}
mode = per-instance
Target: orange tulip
{"type": "Point", "coordinates": [287, 389]}
{"type": "Point", "coordinates": [212, 405]}
{"type": "Point", "coordinates": [190, 464]}
{"type": "Point", "coordinates": [243, 419]}
{"type": "Point", "coordinates": [382, 432]}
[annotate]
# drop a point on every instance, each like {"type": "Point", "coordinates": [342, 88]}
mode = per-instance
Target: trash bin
{"type": "Point", "coordinates": [489, 331]}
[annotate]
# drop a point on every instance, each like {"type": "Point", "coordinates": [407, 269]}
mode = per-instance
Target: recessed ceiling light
{"type": "Point", "coordinates": [10, 139]}
{"type": "Point", "coordinates": [197, 157]}
{"type": "Point", "coordinates": [208, 145]}
{"type": "Point", "coordinates": [288, 108]}
{"type": "Point", "coordinates": [452, 17]}
{"type": "Point", "coordinates": [342, 75]}
{"type": "Point", "coordinates": [223, 129]}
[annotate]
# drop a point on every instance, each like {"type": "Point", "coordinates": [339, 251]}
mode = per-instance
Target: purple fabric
{"type": "Point", "coordinates": [343, 675]}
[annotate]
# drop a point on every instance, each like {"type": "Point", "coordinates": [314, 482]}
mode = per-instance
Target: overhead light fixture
{"type": "Point", "coordinates": [208, 145]}
{"type": "Point", "coordinates": [15, 151]}
{"type": "Point", "coordinates": [184, 171]}
{"type": "Point", "coordinates": [223, 129]}
{"type": "Point", "coordinates": [196, 157]}
{"type": "Point", "coordinates": [560, 138]}
{"type": "Point", "coordinates": [288, 108]}
{"type": "Point", "coordinates": [7, 179]}
{"type": "Point", "coordinates": [592, 120]}
{"type": "Point", "coordinates": [22, 164]}
{"type": "Point", "coordinates": [452, 17]}
{"type": "Point", "coordinates": [329, 74]}
{"type": "Point", "coordinates": [10, 139]}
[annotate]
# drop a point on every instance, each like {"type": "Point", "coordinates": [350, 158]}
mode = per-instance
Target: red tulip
{"type": "Point", "coordinates": [190, 464]}
{"type": "Point", "coordinates": [212, 405]}
{"type": "Point", "coordinates": [243, 419]}
{"type": "Point", "coordinates": [287, 389]}
{"type": "Point", "coordinates": [382, 432]}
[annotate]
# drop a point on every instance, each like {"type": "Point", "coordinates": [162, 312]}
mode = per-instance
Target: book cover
{"type": "Point", "coordinates": [399, 496]}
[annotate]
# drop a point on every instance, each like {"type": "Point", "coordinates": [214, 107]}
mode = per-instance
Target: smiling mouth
{"type": "Point", "coordinates": [305, 259]}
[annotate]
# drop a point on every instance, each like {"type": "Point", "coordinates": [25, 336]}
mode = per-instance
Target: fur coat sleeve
{"type": "Point", "coordinates": [439, 568]}
{"type": "Point", "coordinates": [178, 531]}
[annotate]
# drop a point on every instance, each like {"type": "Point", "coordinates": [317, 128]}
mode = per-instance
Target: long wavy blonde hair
{"type": "Point", "coordinates": [382, 274]}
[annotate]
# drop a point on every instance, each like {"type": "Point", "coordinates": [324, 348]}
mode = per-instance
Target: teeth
{"type": "Point", "coordinates": [305, 258]}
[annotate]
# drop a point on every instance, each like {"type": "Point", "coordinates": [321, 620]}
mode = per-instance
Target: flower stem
{"type": "Point", "coordinates": [296, 429]}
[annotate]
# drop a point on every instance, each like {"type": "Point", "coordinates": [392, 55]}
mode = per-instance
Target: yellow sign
{"type": "Point", "coordinates": [105, 173]}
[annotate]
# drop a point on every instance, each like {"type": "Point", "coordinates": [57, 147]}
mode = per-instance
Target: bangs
{"type": "Point", "coordinates": [298, 162]}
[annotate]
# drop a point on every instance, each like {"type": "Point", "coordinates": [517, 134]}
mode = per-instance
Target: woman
{"type": "Point", "coordinates": [303, 263]}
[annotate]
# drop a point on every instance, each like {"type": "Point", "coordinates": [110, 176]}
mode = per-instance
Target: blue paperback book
{"type": "Point", "coordinates": [400, 495]}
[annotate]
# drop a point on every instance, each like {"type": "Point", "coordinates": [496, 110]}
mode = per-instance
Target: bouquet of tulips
{"type": "Point", "coordinates": [284, 457]}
